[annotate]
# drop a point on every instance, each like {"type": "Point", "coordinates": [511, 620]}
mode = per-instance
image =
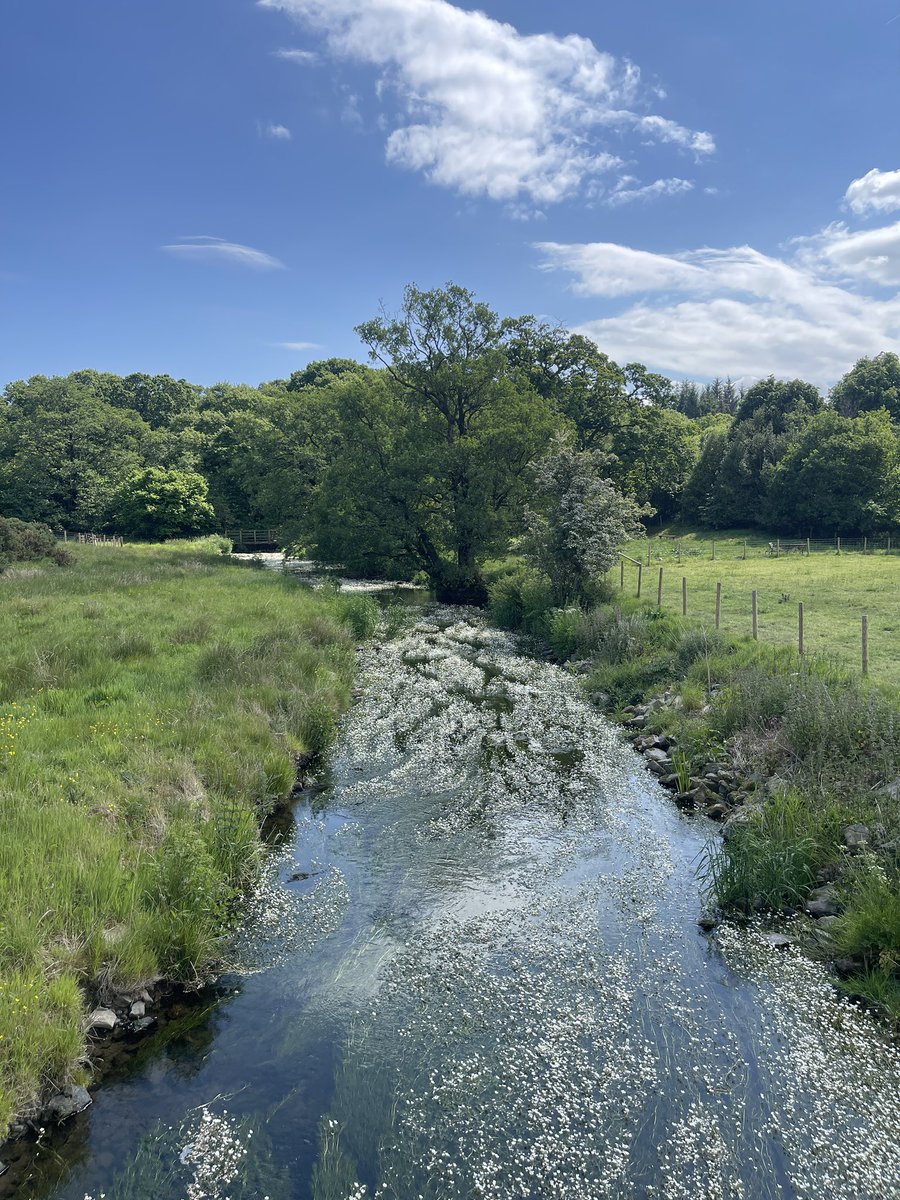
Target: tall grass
{"type": "Point", "coordinates": [153, 701]}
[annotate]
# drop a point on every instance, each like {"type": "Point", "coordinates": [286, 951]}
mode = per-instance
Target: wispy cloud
{"type": "Point", "coordinates": [487, 111]}
{"type": "Point", "coordinates": [811, 311]}
{"type": "Point", "coordinates": [277, 133]}
{"type": "Point", "coordinates": [626, 193]}
{"type": "Point", "coordinates": [297, 346]}
{"type": "Point", "coordinates": [303, 58]}
{"type": "Point", "coordinates": [876, 191]}
{"type": "Point", "coordinates": [212, 250]}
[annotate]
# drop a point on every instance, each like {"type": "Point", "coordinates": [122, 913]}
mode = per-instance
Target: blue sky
{"type": "Point", "coordinates": [221, 189]}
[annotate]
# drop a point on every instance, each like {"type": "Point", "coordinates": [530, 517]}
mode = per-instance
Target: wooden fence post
{"type": "Point", "coordinates": [755, 603]}
{"type": "Point", "coordinates": [839, 545]}
{"type": "Point", "coordinates": [649, 548]}
{"type": "Point", "coordinates": [865, 643]}
{"type": "Point", "coordinates": [865, 545]}
{"type": "Point", "coordinates": [800, 628]}
{"type": "Point", "coordinates": [622, 574]}
{"type": "Point", "coordinates": [659, 589]}
{"type": "Point", "coordinates": [718, 605]}
{"type": "Point", "coordinates": [745, 548]}
{"type": "Point", "coordinates": [778, 547]}
{"type": "Point", "coordinates": [807, 547]}
{"type": "Point", "coordinates": [684, 595]}
{"type": "Point", "coordinates": [640, 567]}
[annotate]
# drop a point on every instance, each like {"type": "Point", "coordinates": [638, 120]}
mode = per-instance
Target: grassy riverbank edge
{"type": "Point", "coordinates": [155, 702]}
{"type": "Point", "coordinates": [814, 749]}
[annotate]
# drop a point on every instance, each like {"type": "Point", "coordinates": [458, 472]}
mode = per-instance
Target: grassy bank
{"type": "Point", "coordinates": [153, 701]}
{"type": "Point", "coordinates": [819, 747]}
{"type": "Point", "coordinates": [835, 589]}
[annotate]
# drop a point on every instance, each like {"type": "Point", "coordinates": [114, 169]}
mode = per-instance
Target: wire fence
{"type": "Point", "coordinates": [668, 548]}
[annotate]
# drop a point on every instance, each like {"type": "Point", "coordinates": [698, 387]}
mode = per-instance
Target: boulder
{"type": "Point", "coordinates": [707, 921]}
{"type": "Point", "coordinates": [717, 812]}
{"type": "Point", "coordinates": [101, 1020]}
{"type": "Point", "coordinates": [856, 837]}
{"type": "Point", "coordinates": [822, 908]}
{"type": "Point", "coordinates": [69, 1102]}
{"type": "Point", "coordinates": [137, 1009]}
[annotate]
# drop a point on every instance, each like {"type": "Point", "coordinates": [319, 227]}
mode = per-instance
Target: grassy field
{"type": "Point", "coordinates": [835, 591]}
{"type": "Point", "coordinates": [152, 702]}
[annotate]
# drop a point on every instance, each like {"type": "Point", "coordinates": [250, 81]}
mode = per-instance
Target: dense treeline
{"type": "Point", "coordinates": [423, 459]}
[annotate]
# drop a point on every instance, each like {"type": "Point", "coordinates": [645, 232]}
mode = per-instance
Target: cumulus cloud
{"type": "Point", "coordinates": [876, 191]}
{"type": "Point", "coordinates": [810, 312]}
{"type": "Point", "coordinates": [212, 250]}
{"type": "Point", "coordinates": [278, 133]}
{"type": "Point", "coordinates": [488, 111]}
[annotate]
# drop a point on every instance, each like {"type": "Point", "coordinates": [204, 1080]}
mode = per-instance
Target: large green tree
{"type": "Point", "coordinates": [436, 449]}
{"type": "Point", "coordinates": [870, 384]}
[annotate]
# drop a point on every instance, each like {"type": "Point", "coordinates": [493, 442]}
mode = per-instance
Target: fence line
{"type": "Point", "coordinates": [713, 549]}
{"type": "Point", "coordinates": [754, 627]}
{"type": "Point", "coordinates": [93, 539]}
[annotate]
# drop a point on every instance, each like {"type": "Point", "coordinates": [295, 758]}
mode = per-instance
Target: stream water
{"type": "Point", "coordinates": [474, 971]}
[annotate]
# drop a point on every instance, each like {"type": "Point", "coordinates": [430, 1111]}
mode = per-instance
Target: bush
{"type": "Point", "coordinates": [521, 600]}
{"type": "Point", "coordinates": [563, 626]}
{"type": "Point", "coordinates": [23, 541]}
{"type": "Point", "coordinates": [360, 614]}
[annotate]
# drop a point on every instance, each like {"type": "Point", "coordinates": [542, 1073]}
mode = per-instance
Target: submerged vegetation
{"type": "Point", "coordinates": [153, 702]}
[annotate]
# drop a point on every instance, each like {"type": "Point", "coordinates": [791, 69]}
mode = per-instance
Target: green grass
{"type": "Point", "coordinates": [834, 589]}
{"type": "Point", "coordinates": [152, 702]}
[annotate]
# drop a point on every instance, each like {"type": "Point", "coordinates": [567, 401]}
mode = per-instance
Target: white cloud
{"type": "Point", "coordinates": [624, 193]}
{"type": "Point", "coordinates": [810, 313]}
{"type": "Point", "coordinates": [487, 111]}
{"type": "Point", "coordinates": [876, 191]}
{"type": "Point", "coordinates": [211, 249]}
{"type": "Point", "coordinates": [303, 58]}
{"type": "Point", "coordinates": [297, 346]}
{"type": "Point", "coordinates": [278, 133]}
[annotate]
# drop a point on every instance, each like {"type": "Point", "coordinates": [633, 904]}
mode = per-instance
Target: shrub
{"type": "Point", "coordinates": [360, 614]}
{"type": "Point", "coordinates": [563, 625]}
{"type": "Point", "coordinates": [23, 541]}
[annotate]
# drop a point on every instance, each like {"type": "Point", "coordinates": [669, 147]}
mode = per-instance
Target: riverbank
{"type": "Point", "coordinates": [154, 706]}
{"type": "Point", "coordinates": [799, 760]}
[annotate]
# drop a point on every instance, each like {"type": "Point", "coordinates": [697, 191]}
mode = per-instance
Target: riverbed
{"type": "Point", "coordinates": [473, 970]}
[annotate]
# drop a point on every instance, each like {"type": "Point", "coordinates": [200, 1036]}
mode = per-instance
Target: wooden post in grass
{"type": "Point", "coordinates": [755, 603]}
{"type": "Point", "coordinates": [622, 574]}
{"type": "Point", "coordinates": [649, 548]}
{"type": "Point", "coordinates": [778, 547]}
{"type": "Point", "coordinates": [659, 589]}
{"type": "Point", "coordinates": [718, 605]}
{"type": "Point", "coordinates": [745, 548]}
{"type": "Point", "coordinates": [839, 545]}
{"type": "Point", "coordinates": [640, 567]}
{"type": "Point", "coordinates": [865, 643]}
{"type": "Point", "coordinates": [684, 595]}
{"type": "Point", "coordinates": [807, 547]}
{"type": "Point", "coordinates": [865, 545]}
{"type": "Point", "coordinates": [800, 628]}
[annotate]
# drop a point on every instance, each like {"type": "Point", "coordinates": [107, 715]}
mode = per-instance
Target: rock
{"type": "Point", "coordinates": [3, 1168]}
{"type": "Point", "coordinates": [143, 1024]}
{"type": "Point", "coordinates": [827, 922]}
{"type": "Point", "coordinates": [685, 799]}
{"type": "Point", "coordinates": [637, 722]}
{"type": "Point", "coordinates": [137, 1009]}
{"type": "Point", "coordinates": [856, 836]}
{"type": "Point", "coordinates": [779, 941]}
{"type": "Point", "coordinates": [826, 892]}
{"type": "Point", "coordinates": [102, 1020]}
{"type": "Point", "coordinates": [600, 699]}
{"type": "Point", "coordinates": [707, 922]}
{"type": "Point", "coordinates": [69, 1102]}
{"type": "Point", "coordinates": [822, 908]}
{"type": "Point", "coordinates": [829, 873]}
{"type": "Point", "coordinates": [847, 966]}
{"type": "Point", "coordinates": [669, 781]}
{"type": "Point", "coordinates": [717, 812]}
{"type": "Point", "coordinates": [734, 824]}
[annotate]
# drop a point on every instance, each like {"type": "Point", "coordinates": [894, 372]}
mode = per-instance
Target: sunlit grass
{"type": "Point", "coordinates": [835, 591]}
{"type": "Point", "coordinates": [152, 703]}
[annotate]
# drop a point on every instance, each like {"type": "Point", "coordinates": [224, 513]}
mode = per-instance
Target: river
{"type": "Point", "coordinates": [473, 970]}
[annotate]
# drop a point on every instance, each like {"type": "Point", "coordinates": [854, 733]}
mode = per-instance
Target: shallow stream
{"type": "Point", "coordinates": [474, 971]}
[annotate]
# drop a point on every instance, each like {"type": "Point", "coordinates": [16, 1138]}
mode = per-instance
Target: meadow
{"type": "Point", "coordinates": [153, 702]}
{"type": "Point", "coordinates": [835, 590]}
